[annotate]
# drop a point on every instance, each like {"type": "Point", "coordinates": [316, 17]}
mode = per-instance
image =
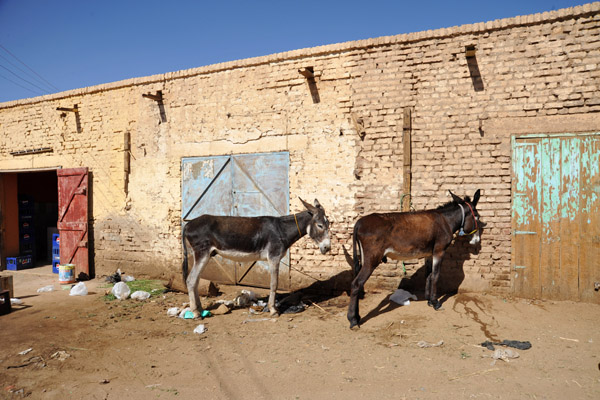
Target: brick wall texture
{"type": "Point", "coordinates": [344, 134]}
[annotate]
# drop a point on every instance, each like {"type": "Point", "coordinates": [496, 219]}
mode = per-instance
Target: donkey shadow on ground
{"type": "Point", "coordinates": [451, 277]}
{"type": "Point", "coordinates": [318, 291]}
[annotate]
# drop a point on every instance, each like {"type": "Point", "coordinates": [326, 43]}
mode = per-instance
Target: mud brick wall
{"type": "Point", "coordinates": [529, 74]}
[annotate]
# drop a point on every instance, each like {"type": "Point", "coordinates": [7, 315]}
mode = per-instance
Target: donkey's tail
{"type": "Point", "coordinates": [184, 267]}
{"type": "Point", "coordinates": [356, 251]}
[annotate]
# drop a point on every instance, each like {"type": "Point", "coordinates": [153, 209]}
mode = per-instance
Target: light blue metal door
{"type": "Point", "coordinates": [237, 185]}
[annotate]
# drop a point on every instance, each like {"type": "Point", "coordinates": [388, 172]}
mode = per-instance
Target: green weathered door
{"type": "Point", "coordinates": [555, 216]}
{"type": "Point", "coordinates": [237, 185]}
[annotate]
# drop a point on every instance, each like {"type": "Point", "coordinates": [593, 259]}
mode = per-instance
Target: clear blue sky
{"type": "Point", "coordinates": [67, 44]}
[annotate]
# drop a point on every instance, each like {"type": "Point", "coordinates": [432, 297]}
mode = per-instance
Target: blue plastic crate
{"type": "Point", "coordinates": [55, 266]}
{"type": "Point", "coordinates": [18, 263]}
{"type": "Point", "coordinates": [55, 240]}
{"type": "Point", "coordinates": [55, 254]}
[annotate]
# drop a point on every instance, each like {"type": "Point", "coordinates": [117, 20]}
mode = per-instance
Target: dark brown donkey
{"type": "Point", "coordinates": [410, 235]}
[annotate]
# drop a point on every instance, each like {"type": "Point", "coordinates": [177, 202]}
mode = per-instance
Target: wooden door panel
{"type": "Point", "coordinates": [569, 218]}
{"type": "Point", "coordinates": [549, 210]}
{"type": "Point", "coordinates": [556, 216]}
{"type": "Point", "coordinates": [589, 255]}
{"type": "Point", "coordinates": [526, 219]}
{"type": "Point", "coordinates": [73, 219]}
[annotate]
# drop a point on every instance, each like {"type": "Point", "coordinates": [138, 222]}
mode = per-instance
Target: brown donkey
{"type": "Point", "coordinates": [410, 235]}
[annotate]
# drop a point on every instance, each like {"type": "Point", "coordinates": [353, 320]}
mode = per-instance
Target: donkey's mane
{"type": "Point", "coordinates": [452, 203]}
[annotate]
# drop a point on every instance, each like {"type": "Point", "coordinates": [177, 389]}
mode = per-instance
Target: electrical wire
{"type": "Point", "coordinates": [25, 80]}
{"type": "Point", "coordinates": [29, 68]}
{"type": "Point", "coordinates": [18, 84]}
{"type": "Point", "coordinates": [25, 72]}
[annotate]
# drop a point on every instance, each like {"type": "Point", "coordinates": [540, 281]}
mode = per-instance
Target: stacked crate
{"type": "Point", "coordinates": [26, 236]}
{"type": "Point", "coordinates": [55, 252]}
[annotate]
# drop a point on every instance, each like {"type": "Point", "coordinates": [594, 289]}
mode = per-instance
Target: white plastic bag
{"type": "Point", "coordinates": [121, 291]}
{"type": "Point", "coordinates": [79, 290]}
{"type": "Point", "coordinates": [184, 311]}
{"type": "Point", "coordinates": [48, 288]}
{"type": "Point", "coordinates": [140, 295]}
{"type": "Point", "coordinates": [200, 329]}
{"type": "Point", "coordinates": [128, 278]}
{"type": "Point", "coordinates": [173, 311]}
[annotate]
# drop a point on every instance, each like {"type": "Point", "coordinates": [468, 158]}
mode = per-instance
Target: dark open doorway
{"type": "Point", "coordinates": [29, 215]}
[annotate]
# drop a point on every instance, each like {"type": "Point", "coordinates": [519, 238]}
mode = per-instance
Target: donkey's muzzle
{"type": "Point", "coordinates": [325, 246]}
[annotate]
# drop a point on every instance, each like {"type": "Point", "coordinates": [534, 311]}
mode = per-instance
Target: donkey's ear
{"type": "Point", "coordinates": [317, 204]}
{"type": "Point", "coordinates": [311, 209]}
{"type": "Point", "coordinates": [476, 197]}
{"type": "Point", "coordinates": [455, 197]}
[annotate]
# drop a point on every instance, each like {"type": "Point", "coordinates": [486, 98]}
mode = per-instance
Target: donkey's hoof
{"type": "Point", "coordinates": [435, 304]}
{"type": "Point", "coordinates": [274, 314]}
{"type": "Point", "coordinates": [354, 326]}
{"type": "Point", "coordinates": [354, 322]}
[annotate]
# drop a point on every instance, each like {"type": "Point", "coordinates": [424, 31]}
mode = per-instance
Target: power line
{"type": "Point", "coordinates": [24, 80]}
{"type": "Point", "coordinates": [22, 71]}
{"type": "Point", "coordinates": [26, 88]}
{"type": "Point", "coordinates": [29, 68]}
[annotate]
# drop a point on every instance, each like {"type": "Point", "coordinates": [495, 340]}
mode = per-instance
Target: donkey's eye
{"type": "Point", "coordinates": [321, 227]}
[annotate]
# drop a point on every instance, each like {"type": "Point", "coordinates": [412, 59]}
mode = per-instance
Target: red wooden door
{"type": "Point", "coordinates": [73, 219]}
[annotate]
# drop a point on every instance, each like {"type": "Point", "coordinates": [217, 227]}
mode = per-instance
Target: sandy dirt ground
{"type": "Point", "coordinates": [133, 350]}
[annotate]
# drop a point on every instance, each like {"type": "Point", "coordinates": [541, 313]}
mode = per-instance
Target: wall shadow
{"type": "Point", "coordinates": [475, 74]}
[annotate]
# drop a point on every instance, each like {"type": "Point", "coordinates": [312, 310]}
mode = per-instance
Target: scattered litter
{"type": "Point", "coordinates": [114, 278]}
{"type": "Point", "coordinates": [572, 340]}
{"type": "Point", "coordinates": [16, 302]}
{"type": "Point", "coordinates": [294, 309]}
{"type": "Point", "coordinates": [507, 343]}
{"type": "Point", "coordinates": [205, 314]}
{"type": "Point", "coordinates": [222, 309]}
{"type": "Point", "coordinates": [60, 355]}
{"type": "Point", "coordinates": [104, 381]}
{"type": "Point", "coordinates": [25, 351]}
{"type": "Point", "coordinates": [121, 290]}
{"type": "Point", "coordinates": [140, 295]}
{"type": "Point", "coordinates": [258, 320]}
{"type": "Point", "coordinates": [402, 297]}
{"type": "Point", "coordinates": [228, 303]}
{"type": "Point", "coordinates": [245, 298]}
{"type": "Point", "coordinates": [285, 308]}
{"type": "Point", "coordinates": [474, 374]}
{"type": "Point", "coordinates": [79, 290]}
{"type": "Point", "coordinates": [504, 355]}
{"type": "Point", "coordinates": [127, 278]}
{"type": "Point", "coordinates": [173, 311]}
{"type": "Point", "coordinates": [33, 360]}
{"type": "Point", "coordinates": [48, 288]}
{"type": "Point", "coordinates": [200, 329]}
{"type": "Point", "coordinates": [423, 344]}
{"type": "Point", "coordinates": [188, 315]}
{"type": "Point", "coordinates": [184, 311]}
